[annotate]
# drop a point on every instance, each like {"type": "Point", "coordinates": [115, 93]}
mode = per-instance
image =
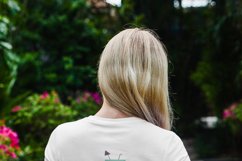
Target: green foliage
{"type": "Point", "coordinates": [218, 74]}
{"type": "Point", "coordinates": [232, 116]}
{"type": "Point", "coordinates": [9, 61]}
{"type": "Point", "coordinates": [86, 104]}
{"type": "Point", "coordinates": [58, 43]}
{"type": "Point", "coordinates": [61, 33]}
{"type": "Point", "coordinates": [62, 41]}
{"type": "Point", "coordinates": [238, 112]}
{"type": "Point", "coordinates": [35, 118]}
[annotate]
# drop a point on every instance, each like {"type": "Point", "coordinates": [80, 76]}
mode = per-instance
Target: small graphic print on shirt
{"type": "Point", "coordinates": [106, 153]}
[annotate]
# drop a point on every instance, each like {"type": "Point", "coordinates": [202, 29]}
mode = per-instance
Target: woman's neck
{"type": "Point", "coordinates": [107, 111]}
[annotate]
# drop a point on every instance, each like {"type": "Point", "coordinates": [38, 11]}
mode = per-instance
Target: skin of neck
{"type": "Point", "coordinates": [108, 111]}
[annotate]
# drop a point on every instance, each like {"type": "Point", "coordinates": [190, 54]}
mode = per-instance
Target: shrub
{"type": "Point", "coordinates": [86, 104]}
{"type": "Point", "coordinates": [9, 60]}
{"type": "Point", "coordinates": [36, 118]}
{"type": "Point", "coordinates": [39, 114]}
{"type": "Point", "coordinates": [232, 115]}
{"type": "Point", "coordinates": [9, 144]}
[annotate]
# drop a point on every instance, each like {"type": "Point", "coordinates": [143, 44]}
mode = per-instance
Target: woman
{"type": "Point", "coordinates": [134, 121]}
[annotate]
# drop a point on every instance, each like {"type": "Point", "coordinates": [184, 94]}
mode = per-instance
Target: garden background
{"type": "Point", "coordinates": [49, 51]}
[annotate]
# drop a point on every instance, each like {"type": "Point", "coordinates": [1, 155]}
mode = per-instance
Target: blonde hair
{"type": "Point", "coordinates": [133, 76]}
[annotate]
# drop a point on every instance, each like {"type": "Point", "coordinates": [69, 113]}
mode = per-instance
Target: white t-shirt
{"type": "Point", "coordinates": [104, 139]}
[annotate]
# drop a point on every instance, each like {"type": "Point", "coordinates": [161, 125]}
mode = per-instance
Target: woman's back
{"type": "Point", "coordinates": [104, 139]}
{"type": "Point", "coordinates": [135, 118]}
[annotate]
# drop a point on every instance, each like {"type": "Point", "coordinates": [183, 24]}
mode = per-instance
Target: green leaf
{"type": "Point", "coordinates": [6, 45]}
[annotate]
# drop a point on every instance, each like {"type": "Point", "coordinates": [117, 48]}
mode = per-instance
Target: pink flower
{"type": "Point", "coordinates": [229, 112]}
{"type": "Point", "coordinates": [16, 108]}
{"type": "Point", "coordinates": [12, 154]}
{"type": "Point", "coordinates": [85, 96]}
{"type": "Point", "coordinates": [96, 97]}
{"type": "Point", "coordinates": [44, 95]}
{"type": "Point", "coordinates": [7, 132]}
{"type": "Point", "coordinates": [78, 100]}
{"type": "Point", "coordinates": [56, 100]}
{"type": "Point", "coordinates": [9, 141]}
{"type": "Point", "coordinates": [7, 151]}
{"type": "Point", "coordinates": [3, 147]}
{"type": "Point", "coordinates": [233, 106]}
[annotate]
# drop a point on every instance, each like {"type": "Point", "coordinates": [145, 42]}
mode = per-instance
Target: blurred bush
{"type": "Point", "coordinates": [9, 60]}
{"type": "Point", "coordinates": [60, 42]}
{"type": "Point", "coordinates": [36, 117]}
{"type": "Point", "coordinates": [232, 118]}
{"type": "Point", "coordinates": [9, 143]}
{"type": "Point", "coordinates": [85, 104]}
{"type": "Point", "coordinates": [219, 73]}
{"type": "Point", "coordinates": [55, 44]}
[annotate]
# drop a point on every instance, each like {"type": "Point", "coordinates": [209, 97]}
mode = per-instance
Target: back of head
{"type": "Point", "coordinates": [133, 76]}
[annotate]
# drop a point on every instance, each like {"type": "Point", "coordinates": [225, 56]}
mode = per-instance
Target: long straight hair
{"type": "Point", "coordinates": [133, 76]}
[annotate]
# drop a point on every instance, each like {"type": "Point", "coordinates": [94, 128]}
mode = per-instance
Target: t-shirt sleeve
{"type": "Point", "coordinates": [176, 150]}
{"type": "Point", "coordinates": [51, 150]}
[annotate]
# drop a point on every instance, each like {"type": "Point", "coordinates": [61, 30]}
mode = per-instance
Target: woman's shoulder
{"type": "Point", "coordinates": [170, 141]}
{"type": "Point", "coordinates": [156, 130]}
{"type": "Point", "coordinates": [71, 128]}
